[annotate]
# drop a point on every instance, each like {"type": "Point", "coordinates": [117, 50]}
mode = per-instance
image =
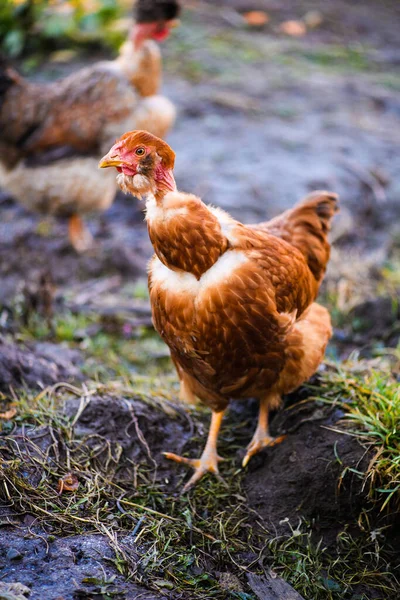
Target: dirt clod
{"type": "Point", "coordinates": [35, 366]}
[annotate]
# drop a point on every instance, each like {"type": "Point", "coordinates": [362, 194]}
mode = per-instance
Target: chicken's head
{"type": "Point", "coordinates": [154, 20]}
{"type": "Point", "coordinates": [144, 163]}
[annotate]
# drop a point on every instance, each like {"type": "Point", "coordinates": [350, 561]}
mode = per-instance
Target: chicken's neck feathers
{"type": "Point", "coordinates": [164, 182]}
{"type": "Point", "coordinates": [185, 233]}
{"type": "Point", "coordinates": [141, 67]}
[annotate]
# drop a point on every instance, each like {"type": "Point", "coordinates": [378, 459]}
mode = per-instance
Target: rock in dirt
{"type": "Point", "coordinates": [270, 588]}
{"type": "Point", "coordinates": [41, 365]}
{"type": "Point", "coordinates": [13, 554]}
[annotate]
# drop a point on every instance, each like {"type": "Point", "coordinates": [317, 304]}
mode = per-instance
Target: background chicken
{"type": "Point", "coordinates": [234, 303]}
{"type": "Point", "coordinates": [52, 134]}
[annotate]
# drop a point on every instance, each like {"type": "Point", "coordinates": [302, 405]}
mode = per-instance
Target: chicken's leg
{"type": "Point", "coordinates": [208, 462]}
{"type": "Point", "coordinates": [261, 438]}
{"type": "Point", "coordinates": [80, 237]}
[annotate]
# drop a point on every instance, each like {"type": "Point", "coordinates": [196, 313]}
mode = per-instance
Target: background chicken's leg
{"type": "Point", "coordinates": [80, 237]}
{"type": "Point", "coordinates": [261, 438]}
{"type": "Point", "coordinates": [208, 462]}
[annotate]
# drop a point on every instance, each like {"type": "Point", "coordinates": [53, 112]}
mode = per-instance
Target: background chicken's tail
{"type": "Point", "coordinates": [306, 227]}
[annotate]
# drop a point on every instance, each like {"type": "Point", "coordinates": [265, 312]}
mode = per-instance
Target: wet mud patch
{"type": "Point", "coordinates": [121, 247]}
{"type": "Point", "coordinates": [74, 568]}
{"type": "Point", "coordinates": [304, 477]}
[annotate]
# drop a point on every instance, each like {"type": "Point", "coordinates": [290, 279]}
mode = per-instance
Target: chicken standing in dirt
{"type": "Point", "coordinates": [234, 303]}
{"type": "Point", "coordinates": [53, 134]}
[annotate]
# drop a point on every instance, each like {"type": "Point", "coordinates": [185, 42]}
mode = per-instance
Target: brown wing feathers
{"type": "Point", "coordinates": [306, 227]}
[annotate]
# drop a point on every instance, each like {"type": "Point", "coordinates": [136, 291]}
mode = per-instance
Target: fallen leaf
{"type": "Point", "coordinates": [8, 414]}
{"type": "Point", "coordinates": [293, 28]}
{"type": "Point", "coordinates": [256, 18]}
{"type": "Point", "coordinates": [69, 483]}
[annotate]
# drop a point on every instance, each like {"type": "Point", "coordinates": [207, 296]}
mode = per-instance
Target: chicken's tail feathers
{"type": "Point", "coordinates": [325, 205]}
{"type": "Point", "coordinates": [306, 226]}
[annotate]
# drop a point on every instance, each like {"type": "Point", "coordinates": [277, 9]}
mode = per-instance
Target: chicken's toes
{"type": "Point", "coordinates": [191, 462]}
{"type": "Point", "coordinates": [258, 443]}
{"type": "Point", "coordinates": [207, 463]}
{"type": "Point", "coordinates": [197, 475]}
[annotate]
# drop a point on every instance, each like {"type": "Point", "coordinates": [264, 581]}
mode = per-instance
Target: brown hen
{"type": "Point", "coordinates": [234, 303]}
{"type": "Point", "coordinates": [53, 134]}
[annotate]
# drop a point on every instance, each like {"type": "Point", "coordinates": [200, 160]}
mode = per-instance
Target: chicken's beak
{"type": "Point", "coordinates": [110, 160]}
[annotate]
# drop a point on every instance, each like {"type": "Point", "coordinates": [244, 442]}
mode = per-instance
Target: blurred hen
{"type": "Point", "coordinates": [52, 134]}
{"type": "Point", "coordinates": [234, 303]}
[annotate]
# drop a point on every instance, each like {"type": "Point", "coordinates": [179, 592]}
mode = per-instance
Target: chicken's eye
{"type": "Point", "coordinates": [140, 151]}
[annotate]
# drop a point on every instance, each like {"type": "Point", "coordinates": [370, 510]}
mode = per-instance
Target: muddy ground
{"type": "Point", "coordinates": [263, 118]}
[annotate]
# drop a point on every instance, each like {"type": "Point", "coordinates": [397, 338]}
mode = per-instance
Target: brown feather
{"type": "Point", "coordinates": [306, 226]}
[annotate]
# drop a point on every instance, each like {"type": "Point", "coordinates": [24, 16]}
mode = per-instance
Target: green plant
{"type": "Point", "coordinates": [39, 25]}
{"type": "Point", "coordinates": [371, 398]}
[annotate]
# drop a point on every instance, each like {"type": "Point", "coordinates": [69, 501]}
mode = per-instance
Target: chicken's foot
{"type": "Point", "coordinates": [262, 438]}
{"type": "Point", "coordinates": [208, 462]}
{"type": "Point", "coordinates": [80, 237]}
